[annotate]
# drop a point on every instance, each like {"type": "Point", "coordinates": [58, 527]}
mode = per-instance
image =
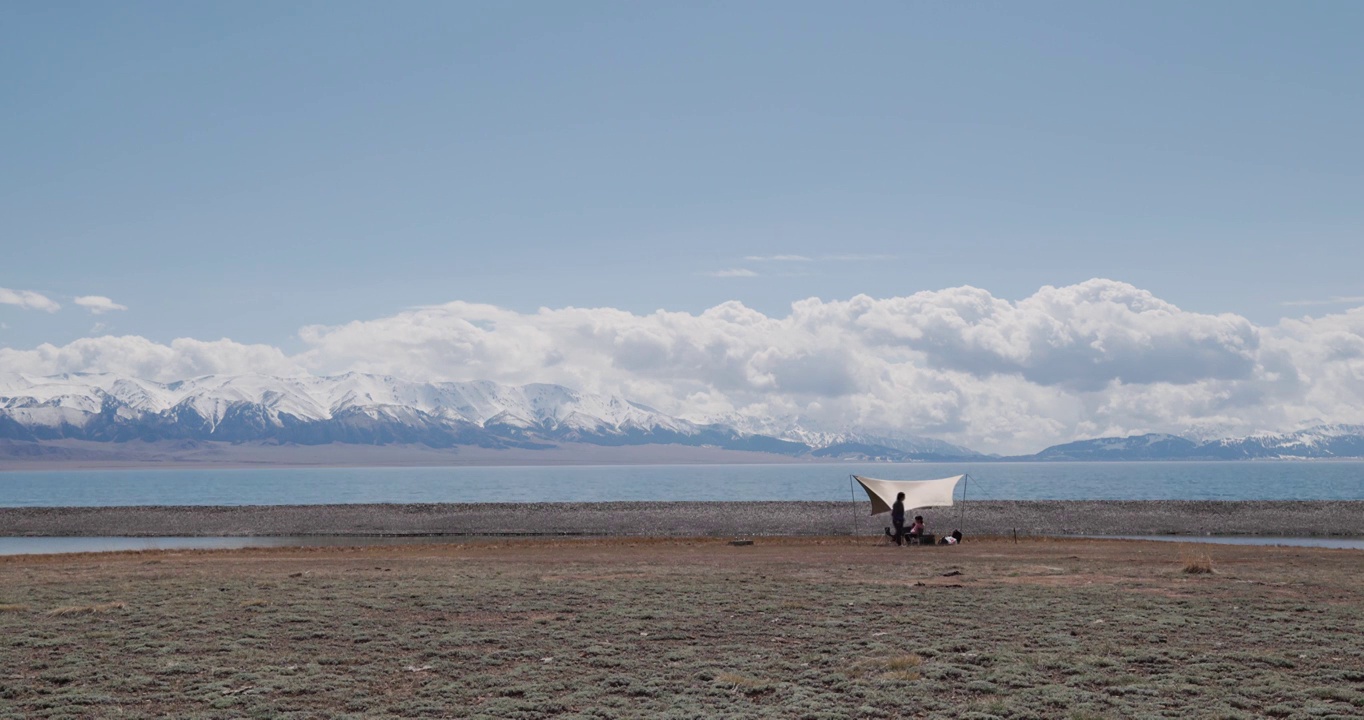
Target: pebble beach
{"type": "Point", "coordinates": [694, 519]}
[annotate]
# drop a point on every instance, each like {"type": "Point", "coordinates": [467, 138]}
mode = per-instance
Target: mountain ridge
{"type": "Point", "coordinates": [366, 409]}
{"type": "Point", "coordinates": [358, 408]}
{"type": "Point", "coordinates": [1337, 441]}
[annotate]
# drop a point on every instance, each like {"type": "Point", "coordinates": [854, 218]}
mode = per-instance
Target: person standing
{"type": "Point", "coordinates": [897, 517]}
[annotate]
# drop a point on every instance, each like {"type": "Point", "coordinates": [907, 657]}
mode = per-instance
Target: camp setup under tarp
{"type": "Point", "coordinates": [918, 493]}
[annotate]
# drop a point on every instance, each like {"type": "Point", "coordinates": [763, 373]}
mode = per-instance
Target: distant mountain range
{"type": "Point", "coordinates": [362, 409]}
{"type": "Point", "coordinates": [358, 408]}
{"type": "Point", "coordinates": [1321, 442]}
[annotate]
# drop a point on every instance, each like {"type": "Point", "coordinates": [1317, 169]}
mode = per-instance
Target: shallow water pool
{"type": "Point", "coordinates": [1337, 543]}
{"type": "Point", "coordinates": [54, 545]}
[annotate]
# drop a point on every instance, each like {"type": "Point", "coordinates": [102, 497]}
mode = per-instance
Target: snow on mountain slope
{"type": "Point", "coordinates": [76, 400]}
{"type": "Point", "coordinates": [380, 409]}
{"type": "Point", "coordinates": [1153, 446]}
{"type": "Point", "coordinates": [484, 403]}
{"type": "Point", "coordinates": [1319, 436]}
{"type": "Point", "coordinates": [1323, 441]}
{"type": "Point", "coordinates": [49, 402]}
{"type": "Point", "coordinates": [803, 431]}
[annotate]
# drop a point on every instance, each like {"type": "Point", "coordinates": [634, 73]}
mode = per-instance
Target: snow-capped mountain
{"type": "Point", "coordinates": [1322, 441]}
{"type": "Point", "coordinates": [351, 408]}
{"type": "Point", "coordinates": [851, 442]}
{"type": "Point", "coordinates": [381, 410]}
{"type": "Point", "coordinates": [1154, 446]}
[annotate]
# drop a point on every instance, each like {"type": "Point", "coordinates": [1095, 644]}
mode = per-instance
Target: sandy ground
{"type": "Point", "coordinates": [817, 628]}
{"type": "Point", "coordinates": [692, 519]}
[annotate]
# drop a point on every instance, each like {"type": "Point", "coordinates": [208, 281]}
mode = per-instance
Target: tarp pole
{"type": "Point", "coordinates": [852, 490]}
{"type": "Point", "coordinates": [961, 516]}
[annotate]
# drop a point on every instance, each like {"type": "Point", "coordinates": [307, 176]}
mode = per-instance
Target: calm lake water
{"type": "Point", "coordinates": [989, 481]}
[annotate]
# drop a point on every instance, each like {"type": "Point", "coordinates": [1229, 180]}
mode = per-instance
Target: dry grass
{"type": "Point", "coordinates": [902, 667]}
{"type": "Point", "coordinates": [819, 629]}
{"type": "Point", "coordinates": [87, 609]}
{"type": "Point", "coordinates": [14, 608]}
{"type": "Point", "coordinates": [1197, 563]}
{"type": "Point", "coordinates": [740, 683]}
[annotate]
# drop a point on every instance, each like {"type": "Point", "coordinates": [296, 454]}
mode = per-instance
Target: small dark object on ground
{"type": "Point", "coordinates": [740, 542]}
{"type": "Point", "coordinates": [950, 573]}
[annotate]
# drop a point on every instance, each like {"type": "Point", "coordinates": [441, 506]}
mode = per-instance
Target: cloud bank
{"type": "Point", "coordinates": [1097, 358]}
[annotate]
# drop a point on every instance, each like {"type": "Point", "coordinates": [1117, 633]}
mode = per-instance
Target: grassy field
{"type": "Point", "coordinates": [793, 628]}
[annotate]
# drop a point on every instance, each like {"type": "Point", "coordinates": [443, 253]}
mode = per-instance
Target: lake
{"type": "Point", "coordinates": [1334, 480]}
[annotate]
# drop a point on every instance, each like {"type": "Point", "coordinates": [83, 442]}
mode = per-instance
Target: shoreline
{"type": "Point", "coordinates": [1054, 518]}
{"type": "Point", "coordinates": [80, 455]}
{"type": "Point", "coordinates": [87, 455]}
{"type": "Point", "coordinates": [494, 460]}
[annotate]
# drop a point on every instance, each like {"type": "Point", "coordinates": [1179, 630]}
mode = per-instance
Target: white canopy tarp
{"type": "Point", "coordinates": [918, 493]}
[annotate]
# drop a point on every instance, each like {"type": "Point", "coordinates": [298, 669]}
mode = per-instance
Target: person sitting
{"type": "Point", "coordinates": [916, 531]}
{"type": "Point", "coordinates": [952, 539]}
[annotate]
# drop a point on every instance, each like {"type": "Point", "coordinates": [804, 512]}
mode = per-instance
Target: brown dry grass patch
{"type": "Point", "coordinates": [86, 609]}
{"type": "Point", "coordinates": [779, 630]}
{"type": "Point", "coordinates": [13, 607]}
{"type": "Point", "coordinates": [1197, 563]}
{"type": "Point", "coordinates": [896, 667]}
{"type": "Point", "coordinates": [739, 682]}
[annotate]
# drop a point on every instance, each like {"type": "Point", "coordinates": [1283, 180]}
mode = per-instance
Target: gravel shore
{"type": "Point", "coordinates": [716, 519]}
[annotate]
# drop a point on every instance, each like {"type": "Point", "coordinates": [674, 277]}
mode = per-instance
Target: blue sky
{"type": "Point", "coordinates": [242, 170]}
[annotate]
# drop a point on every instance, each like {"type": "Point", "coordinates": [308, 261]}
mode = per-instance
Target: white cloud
{"type": "Point", "coordinates": [98, 304]}
{"type": "Point", "coordinates": [28, 300]}
{"type": "Point", "coordinates": [1082, 336]}
{"type": "Point", "coordinates": [1097, 358]}
{"type": "Point", "coordinates": [131, 355]}
{"type": "Point", "coordinates": [732, 273]}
